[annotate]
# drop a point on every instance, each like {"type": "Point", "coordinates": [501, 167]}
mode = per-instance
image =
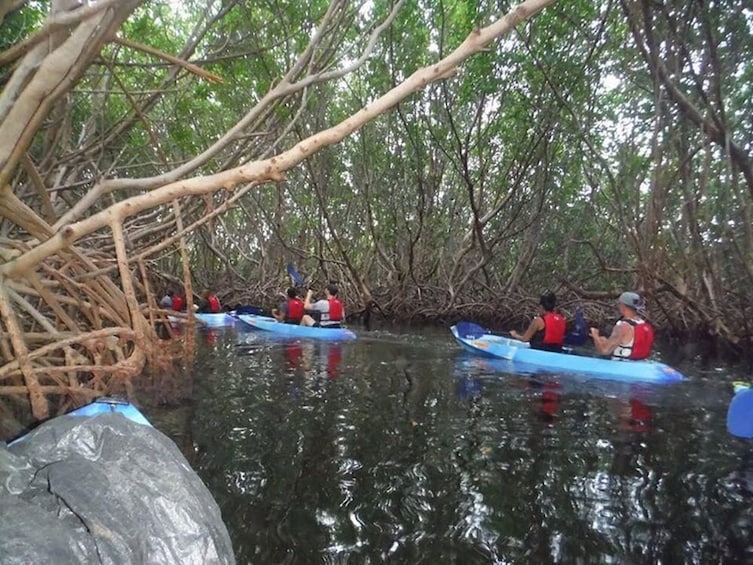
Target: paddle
{"type": "Point", "coordinates": [250, 309]}
{"type": "Point", "coordinates": [580, 334]}
{"type": "Point", "coordinates": [297, 278]}
{"type": "Point", "coordinates": [469, 330]}
{"type": "Point", "coordinates": [740, 414]}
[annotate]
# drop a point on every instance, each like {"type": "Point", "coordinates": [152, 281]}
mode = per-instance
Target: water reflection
{"type": "Point", "coordinates": [416, 453]}
{"type": "Point", "coordinates": [313, 357]}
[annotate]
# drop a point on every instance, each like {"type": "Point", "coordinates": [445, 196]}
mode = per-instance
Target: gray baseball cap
{"type": "Point", "coordinates": [630, 299]}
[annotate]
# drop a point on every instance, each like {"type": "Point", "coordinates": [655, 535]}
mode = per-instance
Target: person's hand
{"type": "Point", "coordinates": [595, 333]}
{"type": "Point", "coordinates": [515, 334]}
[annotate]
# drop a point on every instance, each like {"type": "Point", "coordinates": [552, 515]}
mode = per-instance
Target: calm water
{"type": "Point", "coordinates": [400, 448]}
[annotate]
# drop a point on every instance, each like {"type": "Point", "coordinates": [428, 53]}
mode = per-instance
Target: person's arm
{"type": "Point", "coordinates": [606, 345]}
{"type": "Point", "coordinates": [307, 301]}
{"type": "Point", "coordinates": [280, 313]}
{"type": "Point", "coordinates": [536, 324]}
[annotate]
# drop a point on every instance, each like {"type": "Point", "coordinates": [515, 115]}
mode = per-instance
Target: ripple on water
{"type": "Point", "coordinates": [411, 452]}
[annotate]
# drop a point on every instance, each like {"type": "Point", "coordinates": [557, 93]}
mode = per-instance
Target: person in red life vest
{"type": "Point", "coordinates": [631, 337]}
{"type": "Point", "coordinates": [330, 309]}
{"type": "Point", "coordinates": [290, 311]}
{"type": "Point", "coordinates": [547, 330]}
{"type": "Point", "coordinates": [179, 303]}
{"type": "Point", "coordinates": [209, 303]}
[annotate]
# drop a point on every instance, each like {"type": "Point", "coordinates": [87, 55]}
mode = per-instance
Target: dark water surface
{"type": "Point", "coordinates": [400, 448]}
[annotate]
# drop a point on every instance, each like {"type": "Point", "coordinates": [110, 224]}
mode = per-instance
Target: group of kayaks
{"type": "Point", "coordinates": [480, 342]}
{"type": "Point", "coordinates": [265, 323]}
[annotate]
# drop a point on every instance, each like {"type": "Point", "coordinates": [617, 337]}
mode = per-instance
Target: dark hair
{"type": "Point", "coordinates": [332, 289]}
{"type": "Point", "coordinates": [548, 300]}
{"type": "Point", "coordinates": [292, 292]}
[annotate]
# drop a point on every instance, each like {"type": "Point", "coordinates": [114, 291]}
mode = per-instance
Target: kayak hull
{"type": "Point", "coordinates": [295, 331]}
{"type": "Point", "coordinates": [209, 320]}
{"type": "Point", "coordinates": [547, 361]}
{"type": "Point", "coordinates": [109, 405]}
{"type": "Point", "coordinates": [104, 405]}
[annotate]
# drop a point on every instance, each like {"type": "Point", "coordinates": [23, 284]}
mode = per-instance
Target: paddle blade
{"type": "Point", "coordinates": [250, 309]}
{"type": "Point", "coordinates": [740, 414]}
{"type": "Point", "coordinates": [579, 335]}
{"type": "Point", "coordinates": [580, 321]}
{"type": "Point", "coordinates": [297, 279]}
{"type": "Point", "coordinates": [469, 330]}
{"type": "Point", "coordinates": [575, 339]}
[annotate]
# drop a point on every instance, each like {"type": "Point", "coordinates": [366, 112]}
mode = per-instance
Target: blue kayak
{"type": "Point", "coordinates": [740, 411]}
{"type": "Point", "coordinates": [293, 330]}
{"type": "Point", "coordinates": [218, 320]}
{"type": "Point", "coordinates": [105, 405]}
{"type": "Point", "coordinates": [628, 371]}
{"type": "Point", "coordinates": [108, 405]}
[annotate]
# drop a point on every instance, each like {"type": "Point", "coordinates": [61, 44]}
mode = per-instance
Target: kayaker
{"type": "Point", "coordinates": [179, 302]}
{"type": "Point", "coordinates": [547, 330]}
{"type": "Point", "coordinates": [631, 337]}
{"type": "Point", "coordinates": [330, 308]}
{"type": "Point", "coordinates": [209, 303]}
{"type": "Point", "coordinates": [167, 301]}
{"type": "Point", "coordinates": [290, 311]}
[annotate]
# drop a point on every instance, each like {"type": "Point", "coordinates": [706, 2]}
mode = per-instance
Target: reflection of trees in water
{"type": "Point", "coordinates": [399, 461]}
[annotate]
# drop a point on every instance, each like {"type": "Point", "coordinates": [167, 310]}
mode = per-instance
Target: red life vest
{"type": "Point", "coordinates": [643, 339]}
{"type": "Point", "coordinates": [178, 303]}
{"type": "Point", "coordinates": [554, 329]}
{"type": "Point", "coordinates": [295, 310]}
{"type": "Point", "coordinates": [335, 310]}
{"type": "Point", "coordinates": [214, 303]}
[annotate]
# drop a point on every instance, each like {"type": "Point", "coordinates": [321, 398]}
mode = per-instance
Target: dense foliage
{"type": "Point", "coordinates": [600, 146]}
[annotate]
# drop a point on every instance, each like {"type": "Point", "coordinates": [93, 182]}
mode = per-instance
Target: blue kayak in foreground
{"type": "Point", "coordinates": [100, 484]}
{"type": "Point", "coordinates": [293, 330]}
{"type": "Point", "coordinates": [520, 352]}
{"type": "Point", "coordinates": [109, 405]}
{"type": "Point", "coordinates": [105, 405]}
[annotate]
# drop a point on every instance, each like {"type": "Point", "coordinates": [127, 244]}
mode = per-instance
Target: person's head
{"type": "Point", "coordinates": [292, 293]}
{"type": "Point", "coordinates": [170, 292]}
{"type": "Point", "coordinates": [332, 290]}
{"type": "Point", "coordinates": [629, 302]}
{"type": "Point", "coordinates": [205, 293]}
{"type": "Point", "coordinates": [548, 301]}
